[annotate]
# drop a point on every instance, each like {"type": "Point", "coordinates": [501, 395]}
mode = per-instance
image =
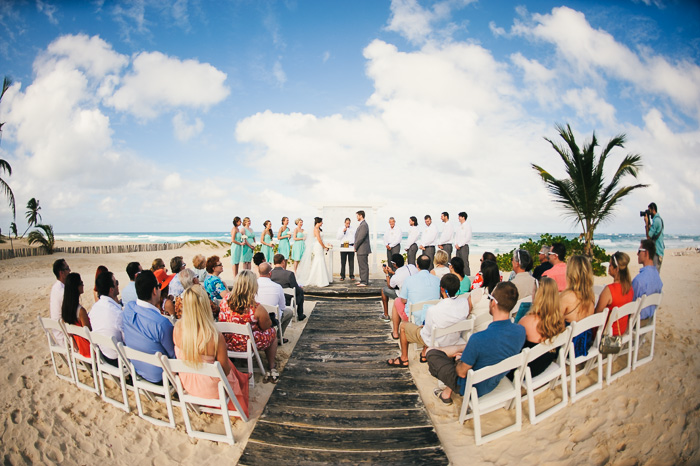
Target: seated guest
{"type": "Point", "coordinates": [557, 257]}
{"type": "Point", "coordinates": [199, 262]}
{"type": "Point", "coordinates": [106, 314]}
{"type": "Point", "coordinates": [448, 311]}
{"type": "Point", "coordinates": [457, 267]}
{"type": "Point", "coordinates": [501, 340]}
{"type": "Point", "coordinates": [177, 265]}
{"type": "Point", "coordinates": [286, 279]}
{"type": "Point", "coordinates": [522, 263]}
{"type": "Point", "coordinates": [271, 293]}
{"type": "Point", "coordinates": [73, 313]}
{"type": "Point", "coordinates": [197, 341]}
{"type": "Point", "coordinates": [100, 269]}
{"type": "Point", "coordinates": [478, 278]}
{"type": "Point", "coordinates": [419, 287]}
{"type": "Point", "coordinates": [145, 329]}
{"type": "Point", "coordinates": [216, 288]}
{"type": "Point", "coordinates": [478, 304]}
{"type": "Point", "coordinates": [648, 281]}
{"type": "Point", "coordinates": [61, 271]}
{"type": "Point", "coordinates": [544, 262]}
{"type": "Point", "coordinates": [240, 308]}
{"type": "Point", "coordinates": [395, 274]}
{"type": "Point", "coordinates": [440, 261]}
{"type": "Point", "coordinates": [258, 258]}
{"type": "Point", "coordinates": [578, 300]}
{"type": "Point", "coordinates": [619, 292]}
{"type": "Point", "coordinates": [129, 291]}
{"type": "Point", "coordinates": [543, 323]}
{"type": "Point", "coordinates": [188, 278]}
{"type": "Point", "coordinates": [158, 264]}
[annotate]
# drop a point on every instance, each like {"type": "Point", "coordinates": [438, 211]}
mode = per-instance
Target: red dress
{"type": "Point", "coordinates": [619, 300]}
{"type": "Point", "coordinates": [263, 338]}
{"type": "Point", "coordinates": [82, 344]}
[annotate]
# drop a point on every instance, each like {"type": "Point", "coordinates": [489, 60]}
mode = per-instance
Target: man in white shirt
{"type": "Point", "coordinates": [271, 293]}
{"type": "Point", "coordinates": [106, 314]}
{"type": "Point", "coordinates": [394, 280]}
{"type": "Point", "coordinates": [412, 240]}
{"type": "Point", "coordinates": [129, 291]}
{"type": "Point", "coordinates": [346, 234]}
{"type": "Point", "coordinates": [392, 240]}
{"type": "Point", "coordinates": [61, 271]}
{"type": "Point", "coordinates": [445, 241]}
{"type": "Point", "coordinates": [462, 240]}
{"type": "Point", "coordinates": [429, 240]}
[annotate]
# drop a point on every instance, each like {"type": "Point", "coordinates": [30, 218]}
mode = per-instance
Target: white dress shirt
{"type": "Point", "coordinates": [392, 237]}
{"type": "Point", "coordinates": [430, 236]}
{"type": "Point", "coordinates": [270, 293]}
{"type": "Point", "coordinates": [464, 235]}
{"type": "Point", "coordinates": [401, 274]}
{"type": "Point", "coordinates": [55, 303]}
{"type": "Point", "coordinates": [446, 235]}
{"type": "Point", "coordinates": [106, 319]}
{"type": "Point", "coordinates": [348, 235]}
{"type": "Point", "coordinates": [413, 235]}
{"type": "Point", "coordinates": [445, 313]}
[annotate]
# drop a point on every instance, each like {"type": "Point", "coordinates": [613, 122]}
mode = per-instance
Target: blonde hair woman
{"type": "Point", "coordinates": [577, 301]}
{"type": "Point", "coordinates": [197, 341]}
{"type": "Point", "coordinates": [240, 307]}
{"type": "Point", "coordinates": [248, 243]}
{"type": "Point", "coordinates": [619, 292]}
{"type": "Point", "coordinates": [299, 246]}
{"type": "Point", "coordinates": [440, 262]}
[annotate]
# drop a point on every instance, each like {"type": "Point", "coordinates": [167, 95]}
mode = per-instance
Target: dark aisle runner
{"type": "Point", "coordinates": [338, 401]}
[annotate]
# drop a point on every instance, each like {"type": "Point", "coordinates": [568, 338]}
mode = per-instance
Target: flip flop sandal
{"type": "Point", "coordinates": [423, 359]}
{"type": "Point", "coordinates": [398, 362]}
{"type": "Point", "coordinates": [438, 394]}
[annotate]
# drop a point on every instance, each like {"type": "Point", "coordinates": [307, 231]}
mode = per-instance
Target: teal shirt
{"type": "Point", "coordinates": [657, 228]}
{"type": "Point", "coordinates": [465, 286]}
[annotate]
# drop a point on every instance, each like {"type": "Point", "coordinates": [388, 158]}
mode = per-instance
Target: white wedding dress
{"type": "Point", "coordinates": [312, 270]}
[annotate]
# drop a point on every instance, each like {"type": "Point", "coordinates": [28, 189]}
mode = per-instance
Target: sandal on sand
{"type": "Point", "coordinates": [386, 318]}
{"type": "Point", "coordinates": [398, 362]}
{"type": "Point", "coordinates": [274, 376]}
{"type": "Point", "coordinates": [394, 337]}
{"type": "Point", "coordinates": [423, 359]}
{"type": "Point", "coordinates": [438, 394]}
{"type": "Point", "coordinates": [267, 378]}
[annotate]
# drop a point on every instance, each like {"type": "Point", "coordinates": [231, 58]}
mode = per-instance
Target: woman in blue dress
{"type": "Point", "coordinates": [283, 236]}
{"type": "Point", "coordinates": [266, 240]}
{"type": "Point", "coordinates": [236, 244]}
{"type": "Point", "coordinates": [298, 247]}
{"type": "Point", "coordinates": [248, 244]}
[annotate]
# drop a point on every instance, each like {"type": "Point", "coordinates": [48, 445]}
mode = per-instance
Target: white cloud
{"type": "Point", "coordinates": [279, 74]}
{"type": "Point", "coordinates": [48, 9]}
{"type": "Point", "coordinates": [538, 80]}
{"type": "Point", "coordinates": [417, 24]}
{"type": "Point", "coordinates": [326, 56]}
{"type": "Point", "coordinates": [590, 107]}
{"type": "Point", "coordinates": [91, 54]}
{"type": "Point", "coordinates": [185, 131]}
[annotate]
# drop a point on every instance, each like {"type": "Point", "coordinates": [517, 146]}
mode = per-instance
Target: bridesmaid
{"type": "Point", "coordinates": [236, 244]}
{"type": "Point", "coordinates": [248, 244]}
{"type": "Point", "coordinates": [299, 246]}
{"type": "Point", "coordinates": [266, 240]}
{"type": "Point", "coordinates": [283, 236]}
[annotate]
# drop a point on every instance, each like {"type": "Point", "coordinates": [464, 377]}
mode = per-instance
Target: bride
{"type": "Point", "coordinates": [312, 269]}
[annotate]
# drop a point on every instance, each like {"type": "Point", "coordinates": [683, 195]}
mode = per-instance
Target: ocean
{"type": "Point", "coordinates": [497, 243]}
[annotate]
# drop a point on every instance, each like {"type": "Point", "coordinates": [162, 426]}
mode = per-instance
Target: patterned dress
{"type": "Point", "coordinates": [236, 249]}
{"type": "Point", "coordinates": [298, 247]}
{"type": "Point", "coordinates": [267, 250]}
{"type": "Point", "coordinates": [214, 286]}
{"type": "Point", "coordinates": [263, 338]}
{"type": "Point", "coordinates": [283, 247]}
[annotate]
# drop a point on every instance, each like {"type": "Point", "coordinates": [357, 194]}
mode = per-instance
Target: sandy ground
{"type": "Point", "coordinates": [650, 416]}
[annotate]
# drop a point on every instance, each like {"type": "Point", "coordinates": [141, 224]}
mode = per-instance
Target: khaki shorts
{"type": "Point", "coordinates": [413, 333]}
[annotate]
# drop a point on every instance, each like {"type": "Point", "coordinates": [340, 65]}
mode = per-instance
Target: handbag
{"type": "Point", "coordinates": [611, 344]}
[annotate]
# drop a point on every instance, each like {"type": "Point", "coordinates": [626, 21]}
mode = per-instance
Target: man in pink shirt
{"type": "Point", "coordinates": [557, 258]}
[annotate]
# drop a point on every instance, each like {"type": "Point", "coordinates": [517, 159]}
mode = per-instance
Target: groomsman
{"type": "Point", "coordinates": [346, 234]}
{"type": "Point", "coordinates": [429, 240]}
{"type": "Point", "coordinates": [392, 240]}
{"type": "Point", "coordinates": [445, 241]}
{"type": "Point", "coordinates": [462, 240]}
{"type": "Point", "coordinates": [362, 248]}
{"type": "Point", "coordinates": [412, 240]}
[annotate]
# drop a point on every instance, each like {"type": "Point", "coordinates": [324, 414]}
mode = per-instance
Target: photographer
{"type": "Point", "coordinates": [654, 227]}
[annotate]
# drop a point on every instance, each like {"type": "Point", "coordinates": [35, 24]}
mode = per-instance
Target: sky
{"type": "Point", "coordinates": [177, 115]}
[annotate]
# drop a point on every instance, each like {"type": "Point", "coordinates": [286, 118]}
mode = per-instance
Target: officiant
{"type": "Point", "coordinates": [346, 235]}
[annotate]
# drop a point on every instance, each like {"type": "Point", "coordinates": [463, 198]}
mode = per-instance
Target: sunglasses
{"type": "Point", "coordinates": [640, 250]}
{"type": "Point", "coordinates": [491, 298]}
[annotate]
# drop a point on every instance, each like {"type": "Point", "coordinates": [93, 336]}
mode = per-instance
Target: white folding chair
{"type": "Point", "coordinates": [631, 310]}
{"type": "Point", "coordinates": [251, 348]}
{"type": "Point", "coordinates": [276, 311]}
{"type": "Point", "coordinates": [553, 375]}
{"type": "Point", "coordinates": [415, 308]}
{"type": "Point", "coordinates": [293, 303]}
{"type": "Point", "coordinates": [57, 349]}
{"type": "Point", "coordinates": [639, 330]}
{"type": "Point", "coordinates": [163, 390]}
{"type": "Point", "coordinates": [516, 308]}
{"type": "Point", "coordinates": [219, 405]}
{"type": "Point", "coordinates": [500, 397]}
{"type": "Point", "coordinates": [464, 328]}
{"type": "Point", "coordinates": [80, 362]}
{"type": "Point", "coordinates": [116, 374]}
{"type": "Point", "coordinates": [593, 358]}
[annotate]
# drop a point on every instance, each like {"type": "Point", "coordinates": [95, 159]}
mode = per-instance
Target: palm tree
{"type": "Point", "coordinates": [584, 194]}
{"type": "Point", "coordinates": [32, 215]}
{"type": "Point", "coordinates": [37, 236]}
{"type": "Point", "coordinates": [4, 164]}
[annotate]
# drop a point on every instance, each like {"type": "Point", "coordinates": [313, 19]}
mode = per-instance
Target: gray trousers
{"type": "Point", "coordinates": [447, 247]}
{"type": "Point", "coordinates": [430, 252]}
{"type": "Point", "coordinates": [463, 253]}
{"type": "Point", "coordinates": [363, 265]}
{"type": "Point", "coordinates": [390, 252]}
{"type": "Point", "coordinates": [412, 254]}
{"type": "Point", "coordinates": [658, 260]}
{"type": "Point", "coordinates": [443, 368]}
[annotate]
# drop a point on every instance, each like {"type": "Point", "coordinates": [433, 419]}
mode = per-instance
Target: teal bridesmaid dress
{"type": "Point", "coordinates": [236, 250]}
{"type": "Point", "coordinates": [283, 247]}
{"type": "Point", "coordinates": [267, 250]}
{"type": "Point", "coordinates": [298, 247]}
{"type": "Point", "coordinates": [247, 253]}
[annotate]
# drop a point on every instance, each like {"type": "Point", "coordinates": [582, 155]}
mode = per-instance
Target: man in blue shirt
{"type": "Point", "coordinates": [422, 286]}
{"type": "Point", "coordinates": [145, 329]}
{"type": "Point", "coordinates": [501, 340]}
{"type": "Point", "coordinates": [129, 292]}
{"type": "Point", "coordinates": [648, 281]}
{"type": "Point", "coordinates": [655, 231]}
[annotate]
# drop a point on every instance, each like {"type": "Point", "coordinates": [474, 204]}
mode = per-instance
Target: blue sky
{"type": "Point", "coordinates": [178, 115]}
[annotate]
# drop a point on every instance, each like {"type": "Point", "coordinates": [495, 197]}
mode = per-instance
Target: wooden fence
{"type": "Point", "coordinates": [105, 249]}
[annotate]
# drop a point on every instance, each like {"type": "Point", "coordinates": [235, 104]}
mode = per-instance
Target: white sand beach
{"type": "Point", "coordinates": [650, 416]}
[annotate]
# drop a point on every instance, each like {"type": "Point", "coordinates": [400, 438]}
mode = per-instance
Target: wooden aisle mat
{"type": "Point", "coordinates": [339, 402]}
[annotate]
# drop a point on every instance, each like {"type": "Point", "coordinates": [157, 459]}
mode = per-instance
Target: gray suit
{"type": "Point", "coordinates": [363, 250]}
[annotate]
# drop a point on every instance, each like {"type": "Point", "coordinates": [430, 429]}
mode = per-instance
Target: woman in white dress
{"type": "Point", "coordinates": [312, 270]}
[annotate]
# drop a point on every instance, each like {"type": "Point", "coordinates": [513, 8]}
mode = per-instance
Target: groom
{"type": "Point", "coordinates": [362, 248]}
